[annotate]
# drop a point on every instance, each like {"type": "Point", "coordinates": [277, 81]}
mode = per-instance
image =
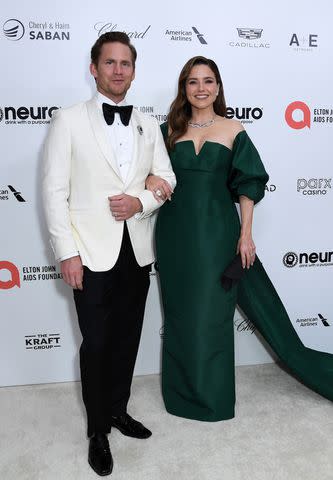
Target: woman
{"type": "Point", "coordinates": [197, 236]}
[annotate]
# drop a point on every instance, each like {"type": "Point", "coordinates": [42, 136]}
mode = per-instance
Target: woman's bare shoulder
{"type": "Point", "coordinates": [230, 126]}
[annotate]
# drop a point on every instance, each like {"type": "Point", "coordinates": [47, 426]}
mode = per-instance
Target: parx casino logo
{"type": "Point", "coordinates": [314, 186]}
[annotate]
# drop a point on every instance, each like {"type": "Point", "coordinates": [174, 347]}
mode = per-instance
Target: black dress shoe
{"type": "Point", "coordinates": [130, 427]}
{"type": "Point", "coordinates": [99, 457]}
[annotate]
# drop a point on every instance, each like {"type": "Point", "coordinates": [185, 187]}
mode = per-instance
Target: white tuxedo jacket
{"type": "Point", "coordinates": [79, 174]}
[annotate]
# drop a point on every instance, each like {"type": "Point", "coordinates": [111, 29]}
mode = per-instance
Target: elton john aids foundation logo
{"type": "Point", "coordinates": [14, 276]}
{"type": "Point", "coordinates": [300, 109]}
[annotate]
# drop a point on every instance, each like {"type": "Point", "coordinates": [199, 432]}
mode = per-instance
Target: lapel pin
{"type": "Point", "coordinates": [140, 129]}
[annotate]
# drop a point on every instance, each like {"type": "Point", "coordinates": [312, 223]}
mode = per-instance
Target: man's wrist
{"type": "Point", "coordinates": [139, 208]}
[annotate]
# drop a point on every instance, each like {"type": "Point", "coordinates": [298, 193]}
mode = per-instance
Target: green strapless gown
{"type": "Point", "coordinates": [196, 238]}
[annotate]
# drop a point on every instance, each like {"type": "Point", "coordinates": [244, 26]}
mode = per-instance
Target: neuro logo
{"type": "Point", "coordinates": [199, 35]}
{"type": "Point", "coordinates": [16, 194]}
{"type": "Point", "coordinates": [15, 276]}
{"type": "Point", "coordinates": [290, 259]}
{"type": "Point", "coordinates": [13, 29]}
{"type": "Point", "coordinates": [250, 33]}
{"type": "Point", "coordinates": [324, 320]}
{"type": "Point", "coordinates": [303, 122]}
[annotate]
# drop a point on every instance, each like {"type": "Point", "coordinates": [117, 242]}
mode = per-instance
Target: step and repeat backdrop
{"type": "Point", "coordinates": [276, 65]}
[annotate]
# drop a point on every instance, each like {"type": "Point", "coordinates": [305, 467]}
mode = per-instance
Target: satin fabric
{"type": "Point", "coordinates": [196, 238]}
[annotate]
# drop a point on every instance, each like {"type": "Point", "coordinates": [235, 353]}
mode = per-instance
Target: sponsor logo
{"type": "Point", "coordinates": [13, 29]}
{"type": "Point", "coordinates": [270, 188]}
{"type": "Point", "coordinates": [14, 279]}
{"type": "Point", "coordinates": [42, 341]}
{"type": "Point", "coordinates": [32, 273]}
{"type": "Point", "coordinates": [244, 325]}
{"type": "Point", "coordinates": [149, 110]}
{"type": "Point", "coordinates": [319, 321]}
{"type": "Point", "coordinates": [35, 115]}
{"type": "Point", "coordinates": [250, 38]}
{"type": "Point", "coordinates": [103, 27]}
{"type": "Point", "coordinates": [303, 43]}
{"type": "Point", "coordinates": [304, 259]}
{"type": "Point", "coordinates": [314, 186]}
{"type": "Point", "coordinates": [249, 33]}
{"type": "Point", "coordinates": [4, 194]}
{"type": "Point", "coordinates": [185, 35]}
{"type": "Point", "coordinates": [245, 114]}
{"type": "Point", "coordinates": [319, 115]}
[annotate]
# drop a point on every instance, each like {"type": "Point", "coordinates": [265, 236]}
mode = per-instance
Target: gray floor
{"type": "Point", "coordinates": [282, 430]}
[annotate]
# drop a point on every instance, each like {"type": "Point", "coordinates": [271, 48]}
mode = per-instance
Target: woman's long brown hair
{"type": "Point", "coordinates": [180, 109]}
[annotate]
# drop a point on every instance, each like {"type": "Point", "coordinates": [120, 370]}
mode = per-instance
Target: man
{"type": "Point", "coordinates": [98, 155]}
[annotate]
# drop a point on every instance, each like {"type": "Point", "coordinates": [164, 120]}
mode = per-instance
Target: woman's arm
{"type": "Point", "coordinates": [246, 246]}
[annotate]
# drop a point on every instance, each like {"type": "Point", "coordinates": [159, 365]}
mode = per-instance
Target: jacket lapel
{"type": "Point", "coordinates": [138, 146]}
{"type": "Point", "coordinates": [97, 124]}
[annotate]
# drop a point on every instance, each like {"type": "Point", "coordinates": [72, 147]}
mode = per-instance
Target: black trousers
{"type": "Point", "coordinates": [110, 311]}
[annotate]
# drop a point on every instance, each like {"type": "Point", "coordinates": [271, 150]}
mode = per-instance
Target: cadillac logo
{"type": "Point", "coordinates": [249, 33]}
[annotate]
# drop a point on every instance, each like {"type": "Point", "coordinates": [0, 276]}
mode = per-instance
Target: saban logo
{"type": "Point", "coordinates": [13, 29]}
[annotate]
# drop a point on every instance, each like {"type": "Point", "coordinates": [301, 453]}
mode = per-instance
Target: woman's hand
{"type": "Point", "coordinates": [247, 250]}
{"type": "Point", "coordinates": [160, 188]}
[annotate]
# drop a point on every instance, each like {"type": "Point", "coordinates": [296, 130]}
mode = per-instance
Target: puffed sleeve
{"type": "Point", "coordinates": [248, 175]}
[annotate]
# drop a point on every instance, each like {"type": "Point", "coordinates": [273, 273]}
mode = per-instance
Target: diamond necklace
{"type": "Point", "coordinates": [202, 125]}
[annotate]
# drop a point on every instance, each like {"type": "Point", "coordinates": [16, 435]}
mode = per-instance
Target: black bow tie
{"type": "Point", "coordinates": [125, 113]}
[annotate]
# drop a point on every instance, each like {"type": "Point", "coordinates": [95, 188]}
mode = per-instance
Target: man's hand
{"type": "Point", "coordinates": [124, 206]}
{"type": "Point", "coordinates": [72, 272]}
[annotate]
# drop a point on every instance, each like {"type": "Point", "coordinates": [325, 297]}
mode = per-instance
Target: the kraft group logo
{"type": "Point", "coordinates": [13, 29]}
{"type": "Point", "coordinates": [305, 119]}
{"type": "Point", "coordinates": [14, 275]}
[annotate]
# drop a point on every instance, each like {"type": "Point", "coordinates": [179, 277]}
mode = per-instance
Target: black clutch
{"type": "Point", "coordinates": [233, 273]}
